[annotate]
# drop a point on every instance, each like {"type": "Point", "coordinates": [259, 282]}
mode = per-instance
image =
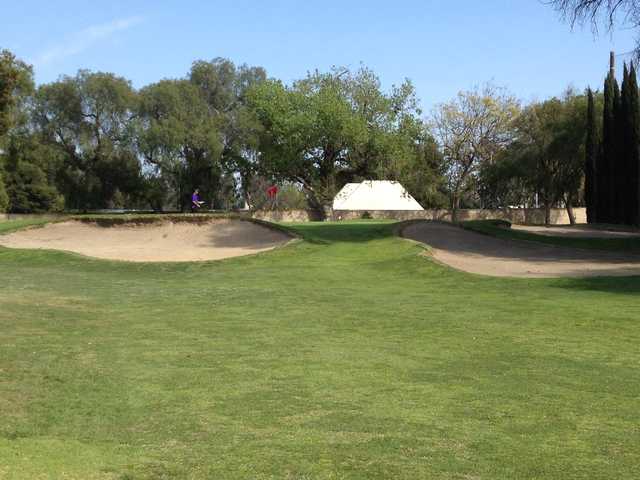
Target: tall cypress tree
{"type": "Point", "coordinates": [633, 149]}
{"type": "Point", "coordinates": [620, 163]}
{"type": "Point", "coordinates": [604, 165]}
{"type": "Point", "coordinates": [615, 155]}
{"type": "Point", "coordinates": [591, 157]}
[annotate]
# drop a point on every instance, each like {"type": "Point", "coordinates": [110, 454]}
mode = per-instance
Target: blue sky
{"type": "Point", "coordinates": [442, 46]}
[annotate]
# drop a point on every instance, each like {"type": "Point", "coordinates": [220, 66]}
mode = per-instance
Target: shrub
{"type": "Point", "coordinates": [29, 191]}
{"type": "Point", "coordinates": [501, 223]}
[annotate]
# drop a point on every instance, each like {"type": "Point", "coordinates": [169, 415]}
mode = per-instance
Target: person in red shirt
{"type": "Point", "coordinates": [272, 193]}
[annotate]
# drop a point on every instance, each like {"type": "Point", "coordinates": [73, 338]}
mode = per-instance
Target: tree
{"type": "Point", "coordinates": [4, 198]}
{"type": "Point", "coordinates": [332, 128]}
{"type": "Point", "coordinates": [29, 187]}
{"type": "Point", "coordinates": [591, 156]}
{"type": "Point", "coordinates": [423, 173]}
{"type": "Point", "coordinates": [16, 83]}
{"type": "Point", "coordinates": [571, 138]}
{"type": "Point", "coordinates": [308, 130]}
{"type": "Point", "coordinates": [224, 87]}
{"type": "Point", "coordinates": [630, 178]}
{"type": "Point", "coordinates": [88, 118]}
{"type": "Point", "coordinates": [617, 155]}
{"type": "Point", "coordinates": [472, 130]}
{"type": "Point", "coordinates": [179, 139]}
{"type": "Point", "coordinates": [549, 145]}
{"type": "Point", "coordinates": [604, 167]}
{"type": "Point", "coordinates": [506, 181]}
{"type": "Point", "coordinates": [626, 13]}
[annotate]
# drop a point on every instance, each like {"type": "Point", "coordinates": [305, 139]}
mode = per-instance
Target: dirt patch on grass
{"type": "Point", "coordinates": [163, 241]}
{"type": "Point", "coordinates": [476, 253]}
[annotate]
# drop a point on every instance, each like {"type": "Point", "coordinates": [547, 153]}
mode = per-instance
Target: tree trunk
{"type": "Point", "coordinates": [455, 206]}
{"type": "Point", "coordinates": [547, 214]}
{"type": "Point", "coordinates": [315, 205]}
{"type": "Point", "coordinates": [569, 206]}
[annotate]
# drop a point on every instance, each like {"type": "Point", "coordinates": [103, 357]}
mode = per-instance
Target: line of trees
{"type": "Point", "coordinates": [612, 165]}
{"type": "Point", "coordinates": [92, 141]}
{"type": "Point", "coordinates": [500, 154]}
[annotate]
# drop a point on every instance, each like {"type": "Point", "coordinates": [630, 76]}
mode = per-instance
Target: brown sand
{"type": "Point", "coordinates": [576, 231]}
{"type": "Point", "coordinates": [161, 242]}
{"type": "Point", "coordinates": [486, 255]}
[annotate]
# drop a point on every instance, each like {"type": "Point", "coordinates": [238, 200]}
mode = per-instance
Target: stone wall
{"type": "Point", "coordinates": [296, 216]}
{"type": "Point", "coordinates": [523, 216]}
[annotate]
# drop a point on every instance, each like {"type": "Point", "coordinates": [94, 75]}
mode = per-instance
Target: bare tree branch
{"type": "Point", "coordinates": [597, 13]}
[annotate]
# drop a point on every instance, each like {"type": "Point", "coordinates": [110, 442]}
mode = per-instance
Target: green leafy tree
{"type": "Point", "coordinates": [423, 173]}
{"type": "Point", "coordinates": [332, 128]}
{"type": "Point", "coordinates": [307, 132]}
{"type": "Point", "coordinates": [550, 145]}
{"type": "Point", "coordinates": [16, 84]}
{"type": "Point", "coordinates": [506, 181]}
{"type": "Point", "coordinates": [29, 185]}
{"type": "Point", "coordinates": [224, 87]}
{"type": "Point", "coordinates": [88, 118]}
{"type": "Point", "coordinates": [179, 139]}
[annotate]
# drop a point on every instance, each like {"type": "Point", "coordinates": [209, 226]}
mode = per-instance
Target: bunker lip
{"type": "Point", "coordinates": [482, 254]}
{"type": "Point", "coordinates": [153, 240]}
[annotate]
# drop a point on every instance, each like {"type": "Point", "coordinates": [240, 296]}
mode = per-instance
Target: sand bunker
{"type": "Point", "coordinates": [476, 253]}
{"type": "Point", "coordinates": [576, 231]}
{"type": "Point", "coordinates": [156, 242]}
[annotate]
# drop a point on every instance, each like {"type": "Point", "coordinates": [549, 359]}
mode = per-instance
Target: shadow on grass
{"type": "Point", "coordinates": [615, 285]}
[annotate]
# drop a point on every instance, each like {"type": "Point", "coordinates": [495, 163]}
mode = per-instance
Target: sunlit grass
{"type": "Point", "coordinates": [348, 355]}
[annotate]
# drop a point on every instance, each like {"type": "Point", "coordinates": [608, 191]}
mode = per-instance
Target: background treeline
{"type": "Point", "coordinates": [92, 141]}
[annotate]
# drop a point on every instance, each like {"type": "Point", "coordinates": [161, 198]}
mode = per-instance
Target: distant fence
{"type": "Point", "coordinates": [530, 216]}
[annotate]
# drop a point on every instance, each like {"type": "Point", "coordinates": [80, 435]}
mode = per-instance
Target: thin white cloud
{"type": "Point", "coordinates": [84, 40]}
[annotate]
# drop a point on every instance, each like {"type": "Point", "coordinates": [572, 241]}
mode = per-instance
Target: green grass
{"type": "Point", "coordinates": [346, 356]}
{"type": "Point", "coordinates": [13, 225]}
{"type": "Point", "coordinates": [490, 227]}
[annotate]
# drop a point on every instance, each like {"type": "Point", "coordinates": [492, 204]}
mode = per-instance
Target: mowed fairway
{"type": "Point", "coordinates": [348, 355]}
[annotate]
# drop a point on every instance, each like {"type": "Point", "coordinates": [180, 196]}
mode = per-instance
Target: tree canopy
{"type": "Point", "coordinates": [472, 129]}
{"type": "Point", "coordinates": [332, 128]}
{"type": "Point", "coordinates": [92, 141]}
